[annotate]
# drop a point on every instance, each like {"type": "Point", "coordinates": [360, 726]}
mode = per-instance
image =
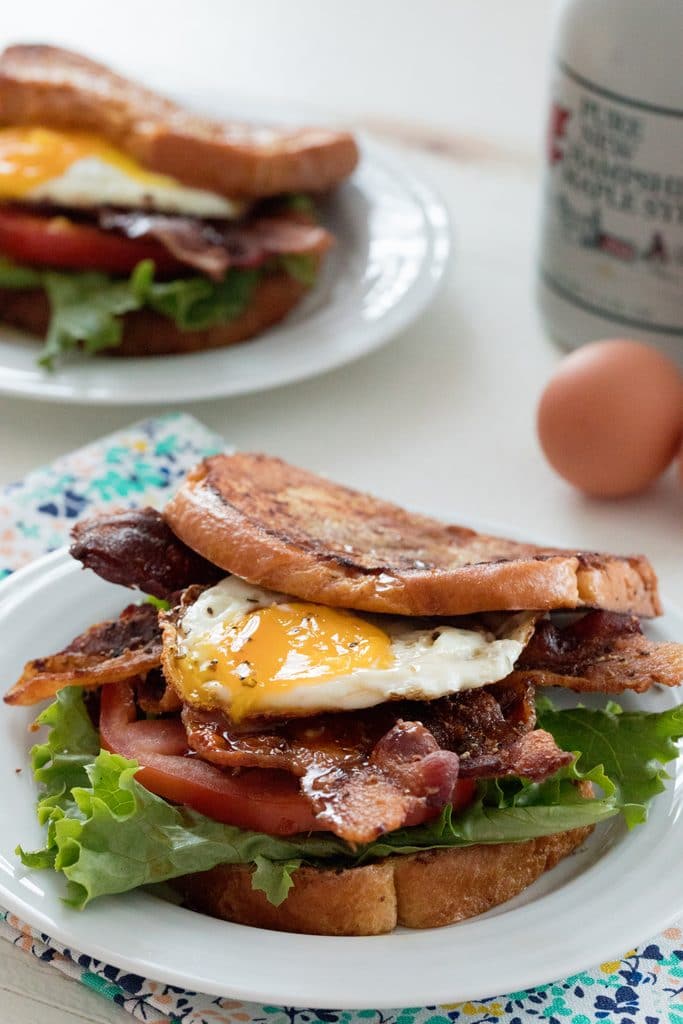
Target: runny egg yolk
{"type": "Point", "coordinates": [29, 157]}
{"type": "Point", "coordinates": [278, 648]}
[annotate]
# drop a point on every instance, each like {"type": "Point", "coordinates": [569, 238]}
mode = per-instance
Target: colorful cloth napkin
{"type": "Point", "coordinates": [142, 465]}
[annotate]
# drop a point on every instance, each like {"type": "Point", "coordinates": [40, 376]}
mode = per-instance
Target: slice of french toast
{"type": "Point", "coordinates": [290, 530]}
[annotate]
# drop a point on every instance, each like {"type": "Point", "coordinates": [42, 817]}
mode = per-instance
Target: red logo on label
{"type": "Point", "coordinates": [557, 130]}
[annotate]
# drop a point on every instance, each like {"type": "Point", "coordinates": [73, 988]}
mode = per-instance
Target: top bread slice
{"type": "Point", "coordinates": [55, 88]}
{"type": "Point", "coordinates": [290, 530]}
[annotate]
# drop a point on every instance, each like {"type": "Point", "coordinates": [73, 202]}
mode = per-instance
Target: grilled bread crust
{"type": "Point", "coordinates": [146, 333]}
{"type": "Point", "coordinates": [287, 529]}
{"type": "Point", "coordinates": [55, 88]}
{"type": "Point", "coordinates": [425, 890]}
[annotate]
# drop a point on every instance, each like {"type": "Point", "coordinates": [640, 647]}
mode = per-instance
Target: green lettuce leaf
{"type": "Point", "coordinates": [86, 310]}
{"type": "Point", "coordinates": [273, 877]}
{"type": "Point", "coordinates": [303, 267]}
{"type": "Point", "coordinates": [106, 833]}
{"type": "Point", "coordinates": [12, 275]}
{"type": "Point", "coordinates": [195, 303]}
{"type": "Point", "coordinates": [59, 764]}
{"type": "Point", "coordinates": [299, 202]}
{"type": "Point", "coordinates": [631, 746]}
{"type": "Point", "coordinates": [509, 810]}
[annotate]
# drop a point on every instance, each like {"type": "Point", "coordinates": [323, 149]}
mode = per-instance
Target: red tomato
{"type": "Point", "coordinates": [464, 793]}
{"type": "Point", "coordinates": [267, 801]}
{"type": "Point", "coordinates": [58, 242]}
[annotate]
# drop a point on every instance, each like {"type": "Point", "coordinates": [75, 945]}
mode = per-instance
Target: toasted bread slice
{"type": "Point", "coordinates": [48, 86]}
{"type": "Point", "coordinates": [424, 890]}
{"type": "Point", "coordinates": [287, 529]}
{"type": "Point", "coordinates": [147, 333]}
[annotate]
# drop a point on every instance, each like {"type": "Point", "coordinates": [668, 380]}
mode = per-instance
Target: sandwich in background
{"type": "Point", "coordinates": [131, 225]}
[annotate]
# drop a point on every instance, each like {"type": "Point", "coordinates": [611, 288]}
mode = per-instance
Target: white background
{"type": "Point", "coordinates": [442, 419]}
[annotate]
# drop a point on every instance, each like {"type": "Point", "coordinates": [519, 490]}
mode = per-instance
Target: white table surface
{"type": "Point", "coordinates": [442, 419]}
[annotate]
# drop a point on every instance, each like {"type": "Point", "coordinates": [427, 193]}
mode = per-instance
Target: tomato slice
{"type": "Point", "coordinates": [464, 793]}
{"type": "Point", "coordinates": [59, 242]}
{"type": "Point", "coordinates": [267, 801]}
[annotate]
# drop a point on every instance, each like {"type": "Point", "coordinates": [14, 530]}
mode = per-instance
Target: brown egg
{"type": "Point", "coordinates": [611, 418]}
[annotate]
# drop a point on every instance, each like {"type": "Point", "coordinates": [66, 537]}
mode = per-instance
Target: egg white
{"type": "Point", "coordinates": [427, 662]}
{"type": "Point", "coordinates": [92, 181]}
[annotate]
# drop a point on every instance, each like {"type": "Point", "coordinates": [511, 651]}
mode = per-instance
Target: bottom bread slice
{"type": "Point", "coordinates": [425, 890]}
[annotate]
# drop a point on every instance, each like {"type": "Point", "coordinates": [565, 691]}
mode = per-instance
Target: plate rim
{"type": "Point", "coordinates": [438, 231]}
{"type": "Point", "coordinates": [348, 953]}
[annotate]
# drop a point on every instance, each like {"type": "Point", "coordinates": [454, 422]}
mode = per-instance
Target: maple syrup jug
{"type": "Point", "coordinates": [611, 247]}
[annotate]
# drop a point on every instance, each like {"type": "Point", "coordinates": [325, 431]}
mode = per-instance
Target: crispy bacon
{"type": "Point", "coordinates": [492, 729]}
{"type": "Point", "coordinates": [374, 771]}
{"type": "Point", "coordinates": [535, 755]}
{"type": "Point", "coordinates": [404, 780]}
{"type": "Point", "coordinates": [578, 641]}
{"type": "Point", "coordinates": [213, 247]}
{"type": "Point", "coordinates": [109, 652]}
{"type": "Point", "coordinates": [136, 548]}
{"type": "Point", "coordinates": [361, 778]}
{"type": "Point", "coordinates": [477, 723]}
{"type": "Point", "coordinates": [600, 652]}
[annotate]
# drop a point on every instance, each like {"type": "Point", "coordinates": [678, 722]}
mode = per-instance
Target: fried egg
{"type": "Point", "coordinates": [251, 652]}
{"type": "Point", "coordinates": [80, 169]}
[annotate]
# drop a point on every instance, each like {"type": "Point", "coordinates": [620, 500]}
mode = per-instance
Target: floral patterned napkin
{"type": "Point", "coordinates": [142, 465]}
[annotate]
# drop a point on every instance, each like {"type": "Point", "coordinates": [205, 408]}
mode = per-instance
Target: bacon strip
{"type": "Point", "coordinates": [361, 780]}
{"type": "Point", "coordinates": [371, 772]}
{"type": "Point", "coordinates": [601, 652]}
{"type": "Point", "coordinates": [136, 548]}
{"type": "Point", "coordinates": [404, 780]}
{"type": "Point", "coordinates": [533, 756]}
{"type": "Point", "coordinates": [213, 248]}
{"type": "Point", "coordinates": [109, 652]}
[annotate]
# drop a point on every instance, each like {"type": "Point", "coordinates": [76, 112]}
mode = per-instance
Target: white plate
{"type": "Point", "coordinates": [619, 890]}
{"type": "Point", "coordinates": [392, 244]}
